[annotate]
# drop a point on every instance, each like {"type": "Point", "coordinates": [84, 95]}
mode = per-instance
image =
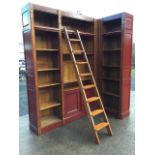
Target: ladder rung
{"type": "Point", "coordinates": [70, 31]}
{"type": "Point", "coordinates": [92, 99]}
{"type": "Point", "coordinates": [85, 74]}
{"type": "Point", "coordinates": [89, 86]}
{"type": "Point", "coordinates": [100, 126]}
{"type": "Point", "coordinates": [81, 62]}
{"type": "Point", "coordinates": [78, 51]}
{"type": "Point", "coordinates": [74, 39]}
{"type": "Point", "coordinates": [97, 112]}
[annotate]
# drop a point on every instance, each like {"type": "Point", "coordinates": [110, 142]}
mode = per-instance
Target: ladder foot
{"type": "Point", "coordinates": [109, 130]}
{"type": "Point", "coordinates": [97, 140]}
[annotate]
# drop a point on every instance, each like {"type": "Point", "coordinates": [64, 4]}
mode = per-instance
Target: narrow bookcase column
{"type": "Point", "coordinates": [115, 62]}
{"type": "Point", "coordinates": [42, 55]}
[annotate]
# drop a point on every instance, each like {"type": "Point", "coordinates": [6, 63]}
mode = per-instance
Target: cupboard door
{"type": "Point", "coordinates": [72, 105]}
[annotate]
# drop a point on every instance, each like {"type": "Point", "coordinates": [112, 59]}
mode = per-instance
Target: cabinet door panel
{"type": "Point", "coordinates": [72, 104]}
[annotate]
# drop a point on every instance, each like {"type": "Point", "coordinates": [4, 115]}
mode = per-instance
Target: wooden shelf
{"type": "Point", "coordinates": [67, 53]}
{"type": "Point", "coordinates": [48, 105]}
{"type": "Point", "coordinates": [47, 50]}
{"type": "Point", "coordinates": [112, 79]}
{"type": "Point", "coordinates": [86, 33]}
{"type": "Point", "coordinates": [111, 94]}
{"type": "Point", "coordinates": [48, 69]}
{"type": "Point", "coordinates": [46, 28]}
{"type": "Point", "coordinates": [76, 81]}
{"type": "Point", "coordinates": [49, 85]}
{"type": "Point", "coordinates": [72, 88]}
{"type": "Point", "coordinates": [47, 120]}
{"type": "Point", "coordinates": [112, 50]}
{"type": "Point", "coordinates": [82, 33]}
{"type": "Point", "coordinates": [111, 66]}
{"type": "Point", "coordinates": [112, 33]}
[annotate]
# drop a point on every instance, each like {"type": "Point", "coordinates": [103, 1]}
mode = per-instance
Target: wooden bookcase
{"type": "Point", "coordinates": [115, 46]}
{"type": "Point", "coordinates": [54, 98]}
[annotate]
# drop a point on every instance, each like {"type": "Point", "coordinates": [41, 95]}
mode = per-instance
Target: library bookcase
{"type": "Point", "coordinates": [54, 98]}
{"type": "Point", "coordinates": [115, 48]}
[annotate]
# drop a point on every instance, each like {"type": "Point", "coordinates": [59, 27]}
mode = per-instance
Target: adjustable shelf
{"type": "Point", "coordinates": [48, 120]}
{"type": "Point", "coordinates": [48, 69]}
{"type": "Point", "coordinates": [112, 50]}
{"type": "Point", "coordinates": [48, 85]}
{"type": "Point", "coordinates": [87, 34]}
{"type": "Point", "coordinates": [112, 33]}
{"type": "Point", "coordinates": [46, 50]}
{"type": "Point", "coordinates": [75, 81]}
{"type": "Point", "coordinates": [46, 28]}
{"type": "Point", "coordinates": [88, 53]}
{"type": "Point", "coordinates": [82, 33]}
{"type": "Point", "coordinates": [110, 79]}
{"type": "Point", "coordinates": [111, 66]}
{"type": "Point", "coordinates": [48, 105]}
{"type": "Point", "coordinates": [72, 88]}
{"type": "Point", "coordinates": [110, 94]}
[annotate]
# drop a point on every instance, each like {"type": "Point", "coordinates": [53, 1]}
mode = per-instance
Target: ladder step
{"type": "Point", "coordinates": [85, 74]}
{"type": "Point", "coordinates": [89, 86]}
{"type": "Point", "coordinates": [70, 31]}
{"type": "Point", "coordinates": [74, 39]}
{"type": "Point", "coordinates": [97, 112]}
{"type": "Point", "coordinates": [78, 51]}
{"type": "Point", "coordinates": [81, 62]}
{"type": "Point", "coordinates": [92, 99]}
{"type": "Point", "coordinates": [100, 126]}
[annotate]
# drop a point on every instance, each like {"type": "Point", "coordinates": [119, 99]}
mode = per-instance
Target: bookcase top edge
{"type": "Point", "coordinates": [66, 14]}
{"type": "Point", "coordinates": [115, 16]}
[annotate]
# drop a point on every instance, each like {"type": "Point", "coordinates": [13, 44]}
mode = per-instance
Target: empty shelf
{"type": "Point", "coordinates": [48, 120]}
{"type": "Point", "coordinates": [111, 66]}
{"type": "Point", "coordinates": [47, 49]}
{"type": "Point", "coordinates": [47, 105]}
{"type": "Point", "coordinates": [46, 28]}
{"type": "Point", "coordinates": [48, 69]}
{"type": "Point", "coordinates": [112, 33]}
{"type": "Point", "coordinates": [48, 85]}
{"type": "Point", "coordinates": [111, 94]}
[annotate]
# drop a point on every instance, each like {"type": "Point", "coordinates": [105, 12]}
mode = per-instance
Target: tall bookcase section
{"type": "Point", "coordinates": [73, 104]}
{"type": "Point", "coordinates": [115, 59]}
{"type": "Point", "coordinates": [42, 54]}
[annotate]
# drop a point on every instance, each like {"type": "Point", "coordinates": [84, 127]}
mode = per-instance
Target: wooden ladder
{"type": "Point", "coordinates": [83, 87]}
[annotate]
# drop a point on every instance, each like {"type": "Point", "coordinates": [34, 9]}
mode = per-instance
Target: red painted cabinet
{"type": "Point", "coordinates": [115, 56]}
{"type": "Point", "coordinates": [72, 103]}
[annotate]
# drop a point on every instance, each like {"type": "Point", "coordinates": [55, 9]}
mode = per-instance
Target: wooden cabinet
{"type": "Point", "coordinates": [54, 98]}
{"type": "Point", "coordinates": [115, 62]}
